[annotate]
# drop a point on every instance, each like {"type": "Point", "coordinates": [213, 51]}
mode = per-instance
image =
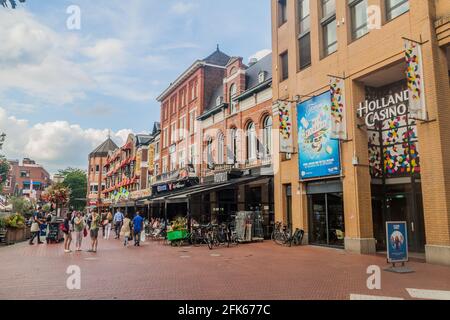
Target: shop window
{"type": "Point", "coordinates": [328, 23]}
{"type": "Point", "coordinates": [358, 12]}
{"type": "Point", "coordinates": [284, 61]}
{"type": "Point", "coordinates": [395, 8]}
{"type": "Point", "coordinates": [282, 12]}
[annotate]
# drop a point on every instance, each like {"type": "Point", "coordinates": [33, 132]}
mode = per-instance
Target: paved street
{"type": "Point", "coordinates": [257, 271]}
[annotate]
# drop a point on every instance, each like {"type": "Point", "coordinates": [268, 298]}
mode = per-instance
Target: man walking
{"type": "Point", "coordinates": [118, 220]}
{"type": "Point", "coordinates": [138, 226]}
{"type": "Point", "coordinates": [36, 226]}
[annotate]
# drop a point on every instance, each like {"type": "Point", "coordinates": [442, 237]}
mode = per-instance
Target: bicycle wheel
{"type": "Point", "coordinates": [280, 238]}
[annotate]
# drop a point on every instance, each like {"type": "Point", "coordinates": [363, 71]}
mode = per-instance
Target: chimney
{"type": "Point", "coordinates": [252, 61]}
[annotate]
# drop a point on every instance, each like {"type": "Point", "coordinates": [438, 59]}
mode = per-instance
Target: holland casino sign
{"type": "Point", "coordinates": [385, 108]}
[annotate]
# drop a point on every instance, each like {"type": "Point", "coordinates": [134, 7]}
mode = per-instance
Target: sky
{"type": "Point", "coordinates": [63, 89]}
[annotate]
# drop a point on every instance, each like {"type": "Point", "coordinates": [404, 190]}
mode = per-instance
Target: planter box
{"type": "Point", "coordinates": [176, 235]}
{"type": "Point", "coordinates": [15, 235]}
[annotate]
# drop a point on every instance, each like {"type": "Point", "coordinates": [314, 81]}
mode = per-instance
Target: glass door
{"type": "Point", "coordinates": [318, 219]}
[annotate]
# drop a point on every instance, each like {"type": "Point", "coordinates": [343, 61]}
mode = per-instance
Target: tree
{"type": "Point", "coordinates": [12, 3]}
{"type": "Point", "coordinates": [76, 180]}
{"type": "Point", "coordinates": [4, 170]}
{"type": "Point", "coordinates": [22, 206]}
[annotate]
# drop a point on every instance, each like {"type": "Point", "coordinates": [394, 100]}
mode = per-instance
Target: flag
{"type": "Point", "coordinates": [415, 80]}
{"type": "Point", "coordinates": [338, 120]}
{"type": "Point", "coordinates": [285, 128]}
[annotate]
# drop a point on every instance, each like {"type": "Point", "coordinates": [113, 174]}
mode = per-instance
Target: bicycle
{"type": "Point", "coordinates": [221, 235]}
{"type": "Point", "coordinates": [282, 236]}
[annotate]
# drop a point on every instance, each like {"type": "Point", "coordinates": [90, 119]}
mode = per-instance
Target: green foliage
{"type": "Point", "coordinates": [179, 224]}
{"type": "Point", "coordinates": [2, 222]}
{"type": "Point", "coordinates": [10, 3]}
{"type": "Point", "coordinates": [47, 207]}
{"type": "Point", "coordinates": [4, 169]}
{"type": "Point", "coordinates": [22, 206]}
{"type": "Point", "coordinates": [14, 221]}
{"type": "Point", "coordinates": [76, 180]}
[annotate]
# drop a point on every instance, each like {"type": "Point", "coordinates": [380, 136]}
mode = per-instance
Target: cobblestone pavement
{"type": "Point", "coordinates": [261, 271]}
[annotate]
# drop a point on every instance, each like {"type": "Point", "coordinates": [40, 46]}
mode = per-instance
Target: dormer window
{"type": "Point", "coordinates": [261, 77]}
{"type": "Point", "coordinates": [219, 101]}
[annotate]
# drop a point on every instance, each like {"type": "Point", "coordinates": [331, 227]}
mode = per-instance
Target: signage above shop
{"type": "Point", "coordinates": [388, 107]}
{"type": "Point", "coordinates": [319, 154]}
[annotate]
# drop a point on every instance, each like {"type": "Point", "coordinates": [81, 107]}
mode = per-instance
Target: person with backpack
{"type": "Point", "coordinates": [65, 227]}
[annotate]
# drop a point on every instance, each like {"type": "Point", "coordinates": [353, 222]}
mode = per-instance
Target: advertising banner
{"type": "Point", "coordinates": [338, 120]}
{"type": "Point", "coordinates": [415, 80]}
{"type": "Point", "coordinates": [319, 154]}
{"type": "Point", "coordinates": [285, 116]}
{"type": "Point", "coordinates": [397, 242]}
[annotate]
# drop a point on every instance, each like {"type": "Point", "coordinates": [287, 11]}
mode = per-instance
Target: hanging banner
{"type": "Point", "coordinates": [285, 116]}
{"type": "Point", "coordinates": [415, 80]}
{"type": "Point", "coordinates": [338, 120]}
{"type": "Point", "coordinates": [318, 153]}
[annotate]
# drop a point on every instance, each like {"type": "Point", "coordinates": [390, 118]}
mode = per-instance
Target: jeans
{"type": "Point", "coordinates": [107, 232]}
{"type": "Point", "coordinates": [137, 237]}
{"type": "Point", "coordinates": [78, 239]}
{"type": "Point", "coordinates": [117, 228]}
{"type": "Point", "coordinates": [36, 234]}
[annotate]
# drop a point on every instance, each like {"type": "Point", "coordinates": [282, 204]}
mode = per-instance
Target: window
{"type": "Point", "coordinates": [233, 93]}
{"type": "Point", "coordinates": [328, 23]}
{"type": "Point", "coordinates": [192, 155]}
{"type": "Point", "coordinates": [97, 168]}
{"type": "Point", "coordinates": [24, 174]}
{"type": "Point", "coordinates": [284, 61]}
{"type": "Point", "coordinates": [182, 128]}
{"type": "Point", "coordinates": [194, 89]}
{"type": "Point", "coordinates": [304, 40]}
{"type": "Point", "coordinates": [251, 141]}
{"type": "Point", "coordinates": [192, 121]}
{"type": "Point", "coordinates": [282, 12]}
{"type": "Point", "coordinates": [173, 134]}
{"type": "Point", "coordinates": [395, 8]}
{"type": "Point", "coordinates": [181, 159]}
{"type": "Point", "coordinates": [173, 162]}
{"type": "Point", "coordinates": [358, 10]}
{"type": "Point", "coordinates": [156, 170]}
{"type": "Point", "coordinates": [267, 136]}
{"type": "Point", "coordinates": [209, 154]}
{"type": "Point", "coordinates": [156, 150]}
{"type": "Point", "coordinates": [165, 138]}
{"type": "Point", "coordinates": [220, 147]}
{"type": "Point", "coordinates": [164, 165]}
{"type": "Point", "coordinates": [262, 77]}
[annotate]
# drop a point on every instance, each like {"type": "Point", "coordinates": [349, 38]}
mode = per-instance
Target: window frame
{"type": "Point", "coordinates": [283, 68]}
{"type": "Point", "coordinates": [352, 8]}
{"type": "Point", "coordinates": [325, 21]}
{"type": "Point", "coordinates": [388, 9]}
{"type": "Point", "coordinates": [282, 12]}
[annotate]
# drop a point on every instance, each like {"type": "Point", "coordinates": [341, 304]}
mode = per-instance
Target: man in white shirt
{"type": "Point", "coordinates": [118, 221]}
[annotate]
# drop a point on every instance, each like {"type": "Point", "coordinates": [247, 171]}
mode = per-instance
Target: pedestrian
{"type": "Point", "coordinates": [125, 231]}
{"type": "Point", "coordinates": [79, 226]}
{"type": "Point", "coordinates": [118, 220]}
{"type": "Point", "coordinates": [95, 226]}
{"type": "Point", "coordinates": [36, 222]}
{"type": "Point", "coordinates": [138, 226]}
{"type": "Point", "coordinates": [67, 233]}
{"type": "Point", "coordinates": [109, 219]}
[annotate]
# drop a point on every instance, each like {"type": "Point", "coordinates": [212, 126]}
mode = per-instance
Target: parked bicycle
{"type": "Point", "coordinates": [282, 236]}
{"type": "Point", "coordinates": [221, 235]}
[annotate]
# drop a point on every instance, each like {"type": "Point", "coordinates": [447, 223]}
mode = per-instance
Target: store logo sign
{"type": "Point", "coordinates": [379, 110]}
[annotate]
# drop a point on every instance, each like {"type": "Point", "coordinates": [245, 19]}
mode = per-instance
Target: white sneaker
{"type": "Point", "coordinates": [67, 251]}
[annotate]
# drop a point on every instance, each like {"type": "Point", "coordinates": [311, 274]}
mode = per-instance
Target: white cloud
{"type": "Point", "coordinates": [261, 54]}
{"type": "Point", "coordinates": [181, 7]}
{"type": "Point", "coordinates": [56, 145]}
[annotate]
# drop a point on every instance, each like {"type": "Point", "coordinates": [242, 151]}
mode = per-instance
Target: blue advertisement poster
{"type": "Point", "coordinates": [397, 241]}
{"type": "Point", "coordinates": [318, 154]}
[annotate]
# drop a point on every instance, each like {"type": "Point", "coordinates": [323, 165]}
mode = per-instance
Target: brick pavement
{"type": "Point", "coordinates": [261, 271]}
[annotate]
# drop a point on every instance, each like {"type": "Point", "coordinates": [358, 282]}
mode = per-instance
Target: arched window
{"type": "Point", "coordinates": [233, 92]}
{"type": "Point", "coordinates": [233, 147]}
{"type": "Point", "coordinates": [220, 146]}
{"type": "Point", "coordinates": [209, 155]}
{"type": "Point", "coordinates": [267, 136]}
{"type": "Point", "coordinates": [251, 141]}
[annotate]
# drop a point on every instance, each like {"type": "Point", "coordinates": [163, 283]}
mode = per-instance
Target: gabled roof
{"type": "Point", "coordinates": [156, 128]}
{"type": "Point", "coordinates": [263, 65]}
{"type": "Point", "coordinates": [103, 149]}
{"type": "Point", "coordinates": [143, 139]}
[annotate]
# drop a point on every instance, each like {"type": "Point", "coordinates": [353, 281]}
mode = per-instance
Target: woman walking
{"type": "Point", "coordinates": [125, 231]}
{"type": "Point", "coordinates": [109, 219]}
{"type": "Point", "coordinates": [67, 233]}
{"type": "Point", "coordinates": [79, 230]}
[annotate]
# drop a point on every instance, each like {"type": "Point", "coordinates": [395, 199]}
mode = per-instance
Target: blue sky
{"type": "Point", "coordinates": [59, 82]}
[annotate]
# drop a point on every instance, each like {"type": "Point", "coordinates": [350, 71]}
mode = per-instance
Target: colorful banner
{"type": "Point", "coordinates": [415, 80]}
{"type": "Point", "coordinates": [285, 116]}
{"type": "Point", "coordinates": [338, 119]}
{"type": "Point", "coordinates": [319, 154]}
{"type": "Point", "coordinates": [397, 242]}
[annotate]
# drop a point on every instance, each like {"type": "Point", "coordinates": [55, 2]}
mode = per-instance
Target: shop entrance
{"type": "Point", "coordinates": [400, 202]}
{"type": "Point", "coordinates": [326, 214]}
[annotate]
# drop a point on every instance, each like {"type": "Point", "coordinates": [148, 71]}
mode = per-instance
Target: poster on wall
{"type": "Point", "coordinates": [285, 117]}
{"type": "Point", "coordinates": [319, 154]}
{"type": "Point", "coordinates": [415, 80]}
{"type": "Point", "coordinates": [397, 242]}
{"type": "Point", "coordinates": [338, 119]}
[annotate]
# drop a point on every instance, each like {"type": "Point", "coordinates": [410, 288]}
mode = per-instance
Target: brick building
{"type": "Point", "coordinates": [96, 173]}
{"type": "Point", "coordinates": [391, 167]}
{"type": "Point", "coordinates": [27, 179]}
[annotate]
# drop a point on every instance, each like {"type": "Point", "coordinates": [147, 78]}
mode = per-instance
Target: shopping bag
{"type": "Point", "coordinates": [85, 233]}
{"type": "Point", "coordinates": [142, 236]}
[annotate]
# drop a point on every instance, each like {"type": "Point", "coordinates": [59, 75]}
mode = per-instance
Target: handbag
{"type": "Point", "coordinates": [85, 233]}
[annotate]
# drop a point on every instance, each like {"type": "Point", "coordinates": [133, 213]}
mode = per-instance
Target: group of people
{"type": "Point", "coordinates": [77, 223]}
